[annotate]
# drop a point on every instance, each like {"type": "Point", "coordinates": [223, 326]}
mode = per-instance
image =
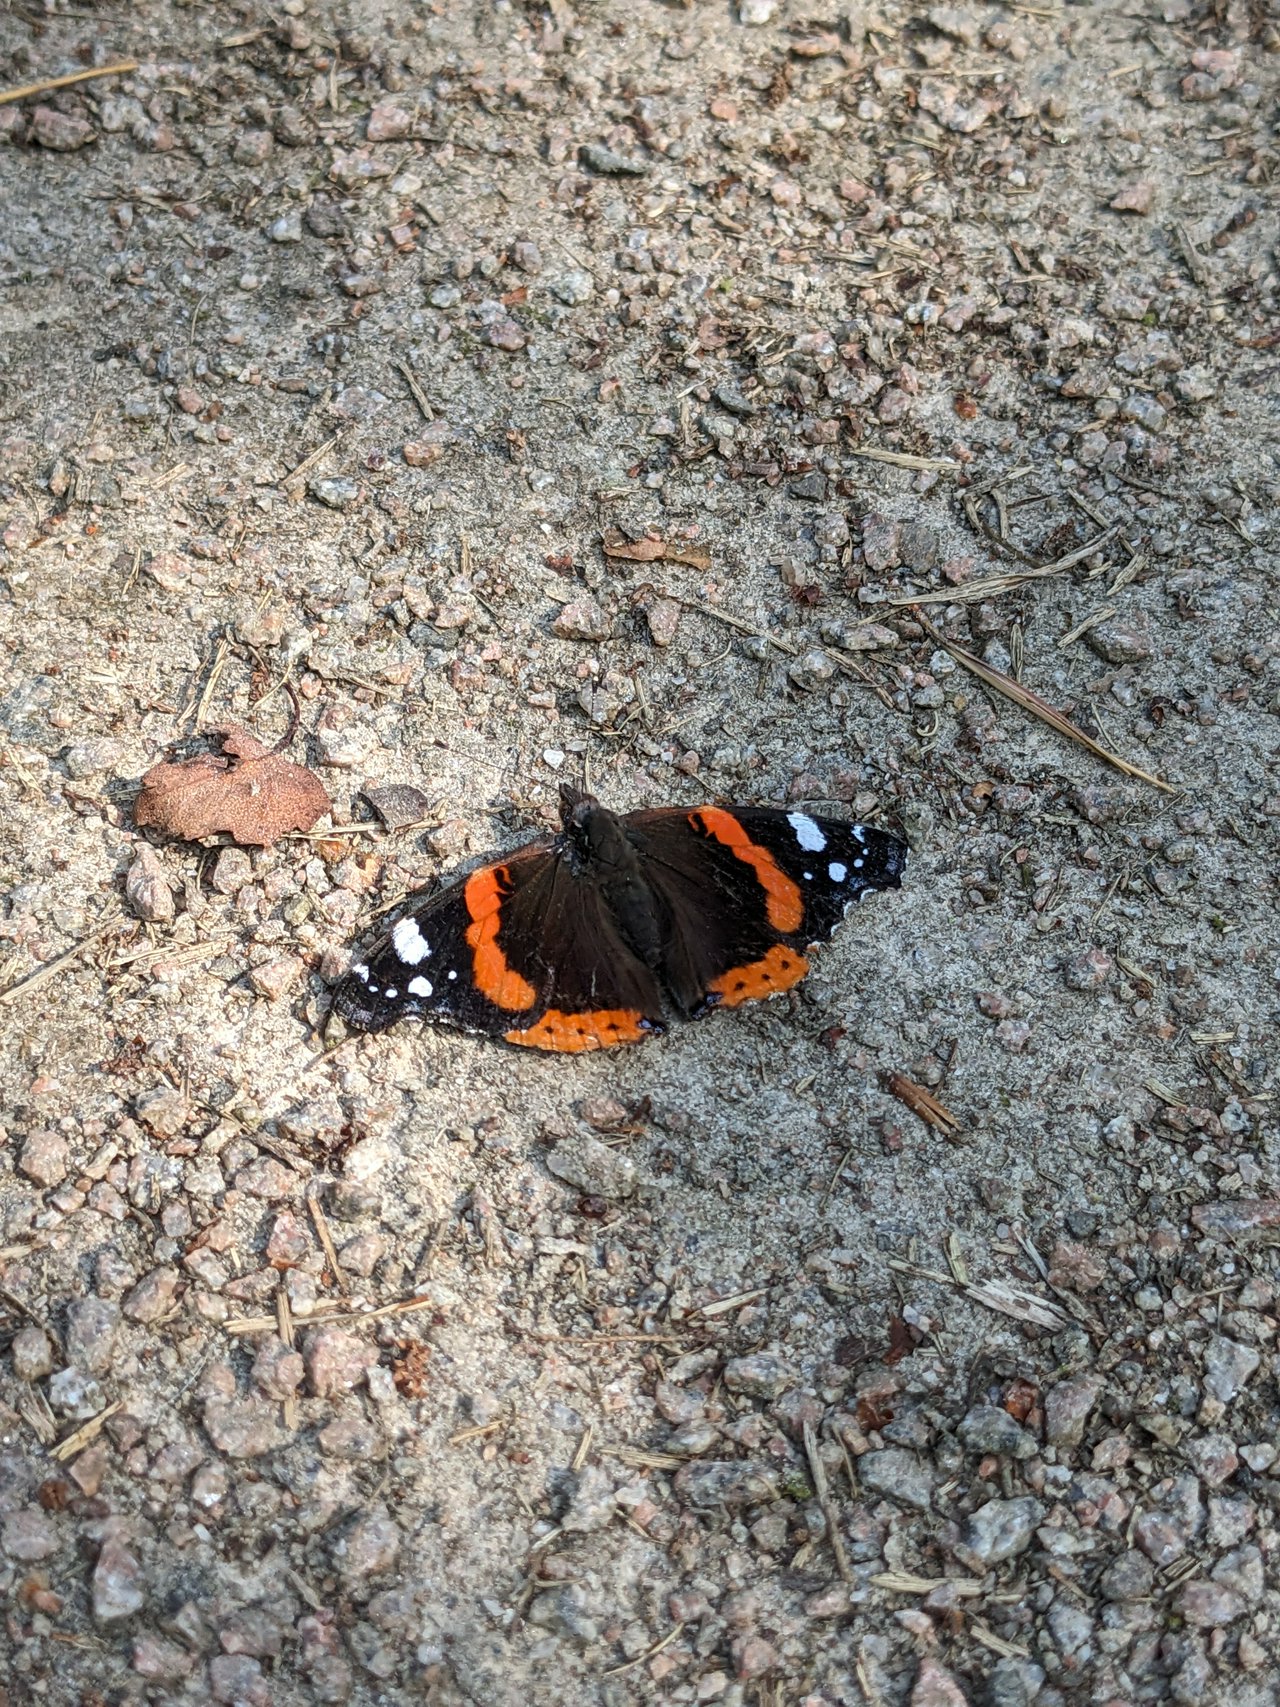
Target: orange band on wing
{"type": "Point", "coordinates": [503, 986]}
{"type": "Point", "coordinates": [779, 970]}
{"type": "Point", "coordinates": [571, 1034]}
{"type": "Point", "coordinates": [783, 902]}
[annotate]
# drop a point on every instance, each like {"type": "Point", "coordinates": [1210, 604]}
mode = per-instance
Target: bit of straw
{"type": "Point", "coordinates": [1032, 702]}
{"type": "Point", "coordinates": [923, 1103]}
{"type": "Point", "coordinates": [818, 1470]}
{"type": "Point", "coordinates": [903, 459]}
{"type": "Point", "coordinates": [76, 1442]}
{"type": "Point", "coordinates": [27, 986]}
{"type": "Point", "coordinates": [46, 83]}
{"type": "Point", "coordinates": [640, 1659]}
{"type": "Point", "coordinates": [321, 1223]}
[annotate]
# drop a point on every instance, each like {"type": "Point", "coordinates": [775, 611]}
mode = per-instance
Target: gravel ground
{"type": "Point", "coordinates": [687, 398]}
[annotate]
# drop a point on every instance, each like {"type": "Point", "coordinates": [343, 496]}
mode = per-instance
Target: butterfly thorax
{"type": "Point", "coordinates": [599, 850]}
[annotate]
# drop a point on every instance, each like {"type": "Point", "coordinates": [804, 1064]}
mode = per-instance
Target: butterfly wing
{"type": "Point", "coordinates": [743, 893]}
{"type": "Point", "coordinates": [521, 949]}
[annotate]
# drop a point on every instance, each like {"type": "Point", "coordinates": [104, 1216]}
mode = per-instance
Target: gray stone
{"type": "Point", "coordinates": [1195, 384]}
{"type": "Point", "coordinates": [91, 1334]}
{"type": "Point", "coordinates": [573, 287]}
{"type": "Point", "coordinates": [989, 1428]}
{"type": "Point", "coordinates": [1129, 1577]}
{"type": "Point", "coordinates": [44, 1158]}
{"type": "Point", "coordinates": [117, 1584]}
{"type": "Point", "coordinates": [28, 1535]}
{"type": "Point", "coordinates": [610, 164]}
{"type": "Point", "coordinates": [32, 1354]}
{"type": "Point", "coordinates": [242, 1428]}
{"type": "Point", "coordinates": [762, 1375]}
{"type": "Point", "coordinates": [593, 1504]}
{"type": "Point", "coordinates": [593, 1167]}
{"type": "Point", "coordinates": [727, 1482]}
{"type": "Point", "coordinates": [278, 1371]}
{"type": "Point", "coordinates": [813, 669]}
{"type": "Point", "coordinates": [1228, 1367]}
{"type": "Point", "coordinates": [1071, 1628]}
{"type": "Point", "coordinates": [147, 889]}
{"type": "Point", "coordinates": [1067, 1407]}
{"type": "Point", "coordinates": [935, 1687]}
{"type": "Point", "coordinates": [338, 493]}
{"type": "Point", "coordinates": [896, 1474]}
{"type": "Point", "coordinates": [90, 758]}
{"type": "Point", "coordinates": [75, 1394]}
{"type": "Point", "coordinates": [1206, 1605]}
{"type": "Point", "coordinates": [161, 1661]}
{"type": "Point", "coordinates": [237, 1680]}
{"type": "Point", "coordinates": [1088, 970]}
{"type": "Point", "coordinates": [999, 1530]}
{"type": "Point", "coordinates": [336, 1360]}
{"type": "Point", "coordinates": [370, 1546]}
{"type": "Point", "coordinates": [163, 1111]}
{"type": "Point", "coordinates": [1241, 1570]}
{"type": "Point", "coordinates": [564, 1611]}
{"type": "Point", "coordinates": [581, 619]}
{"type": "Point", "coordinates": [1118, 641]}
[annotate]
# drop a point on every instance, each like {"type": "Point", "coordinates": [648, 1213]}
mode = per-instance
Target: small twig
{"type": "Point", "coordinates": [583, 1448]}
{"type": "Point", "coordinates": [629, 1665]}
{"type": "Point", "coordinates": [923, 1103]}
{"type": "Point", "coordinates": [818, 1470]}
{"type": "Point", "coordinates": [902, 459]}
{"type": "Point", "coordinates": [295, 717]}
{"type": "Point", "coordinates": [284, 1327]}
{"type": "Point", "coordinates": [309, 462]}
{"type": "Point", "coordinates": [321, 1223]}
{"type": "Point", "coordinates": [51, 969]}
{"type": "Point", "coordinates": [47, 83]}
{"type": "Point", "coordinates": [419, 395]}
{"type": "Point", "coordinates": [1038, 707]}
{"type": "Point", "coordinates": [89, 1431]}
{"type": "Point", "coordinates": [331, 1312]}
{"type": "Point", "coordinates": [478, 1433]}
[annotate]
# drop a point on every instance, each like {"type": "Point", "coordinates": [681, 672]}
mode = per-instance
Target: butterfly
{"type": "Point", "coordinates": [604, 933]}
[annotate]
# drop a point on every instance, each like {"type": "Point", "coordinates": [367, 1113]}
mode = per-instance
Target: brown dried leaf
{"type": "Point", "coordinates": [255, 795]}
{"type": "Point", "coordinates": [644, 550]}
{"type": "Point", "coordinates": [650, 550]}
{"type": "Point", "coordinates": [902, 1341]}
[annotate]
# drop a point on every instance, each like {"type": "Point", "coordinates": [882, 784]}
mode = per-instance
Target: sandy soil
{"type": "Point", "coordinates": [679, 397]}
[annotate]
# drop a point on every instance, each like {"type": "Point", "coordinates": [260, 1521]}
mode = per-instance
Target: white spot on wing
{"type": "Point", "coordinates": [858, 835]}
{"type": "Point", "coordinates": [420, 986]}
{"type": "Point", "coordinates": [857, 865]}
{"type": "Point", "coordinates": [837, 872]}
{"type": "Point", "coordinates": [361, 971]}
{"type": "Point", "coordinates": [809, 836]}
{"type": "Point", "coordinates": [808, 877]}
{"type": "Point", "coordinates": [452, 976]}
{"type": "Point", "coordinates": [391, 994]}
{"type": "Point", "coordinates": [409, 942]}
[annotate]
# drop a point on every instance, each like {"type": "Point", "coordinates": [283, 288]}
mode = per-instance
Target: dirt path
{"type": "Point", "coordinates": [680, 397]}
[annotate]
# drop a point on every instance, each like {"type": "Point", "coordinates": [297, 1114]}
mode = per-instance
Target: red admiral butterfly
{"type": "Point", "coordinates": [592, 938]}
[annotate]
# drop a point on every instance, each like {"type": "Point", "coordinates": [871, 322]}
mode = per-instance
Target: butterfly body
{"type": "Point", "coordinates": [621, 922]}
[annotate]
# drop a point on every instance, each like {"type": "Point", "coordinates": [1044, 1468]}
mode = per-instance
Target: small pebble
{"type": "Point", "coordinates": [117, 1584]}
{"type": "Point", "coordinates": [593, 1167]}
{"type": "Point", "coordinates": [998, 1530]}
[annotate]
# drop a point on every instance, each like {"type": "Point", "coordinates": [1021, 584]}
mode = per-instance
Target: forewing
{"type": "Point", "coordinates": [743, 895]}
{"type": "Point", "coordinates": [520, 949]}
{"type": "Point", "coordinates": [440, 959]}
{"type": "Point", "coordinates": [833, 863]}
{"type": "Point", "coordinates": [732, 918]}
